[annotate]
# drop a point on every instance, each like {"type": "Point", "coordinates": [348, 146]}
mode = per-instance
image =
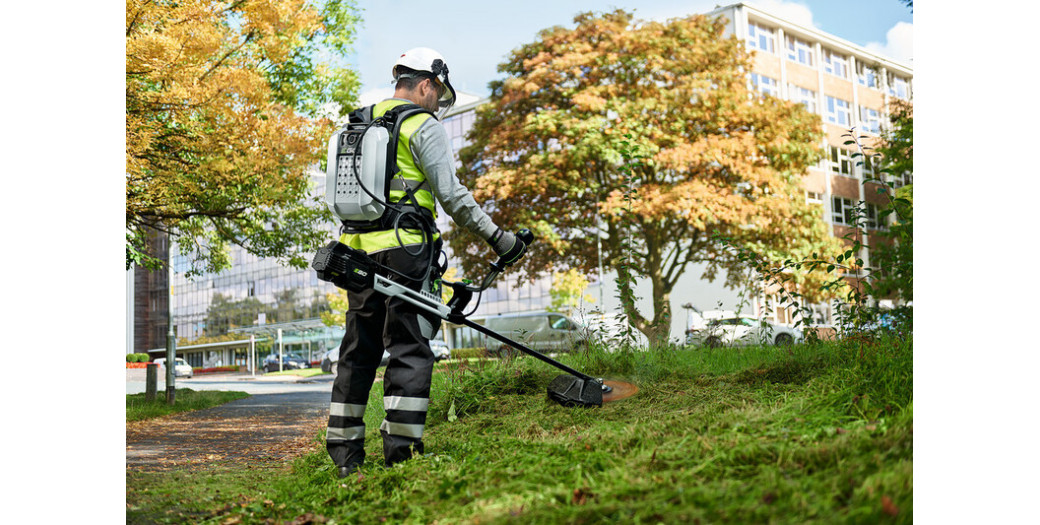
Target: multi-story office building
{"type": "Point", "coordinates": [847, 85]}
{"type": "Point", "coordinates": [850, 88]}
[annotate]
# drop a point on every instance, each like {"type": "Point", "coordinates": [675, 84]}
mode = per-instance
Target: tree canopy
{"type": "Point", "coordinates": [227, 104]}
{"type": "Point", "coordinates": [647, 135]}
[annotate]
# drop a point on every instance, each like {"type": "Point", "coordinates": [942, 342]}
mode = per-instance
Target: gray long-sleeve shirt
{"type": "Point", "coordinates": [431, 150]}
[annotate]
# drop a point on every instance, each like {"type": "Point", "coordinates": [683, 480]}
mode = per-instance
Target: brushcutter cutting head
{"type": "Point", "coordinates": [571, 391]}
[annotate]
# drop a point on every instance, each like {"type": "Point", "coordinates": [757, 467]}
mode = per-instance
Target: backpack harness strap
{"type": "Point", "coordinates": [390, 219]}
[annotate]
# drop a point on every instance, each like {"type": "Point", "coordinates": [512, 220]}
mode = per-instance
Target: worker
{"type": "Point", "coordinates": [375, 322]}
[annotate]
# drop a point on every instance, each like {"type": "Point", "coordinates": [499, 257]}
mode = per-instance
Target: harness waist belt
{"type": "Point", "coordinates": [389, 220]}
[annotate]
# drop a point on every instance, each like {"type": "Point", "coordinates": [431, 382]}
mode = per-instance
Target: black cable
{"type": "Point", "coordinates": [354, 156]}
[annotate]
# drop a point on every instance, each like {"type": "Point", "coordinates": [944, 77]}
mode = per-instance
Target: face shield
{"type": "Point", "coordinates": [440, 76]}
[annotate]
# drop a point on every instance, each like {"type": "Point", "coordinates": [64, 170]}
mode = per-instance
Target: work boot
{"type": "Point", "coordinates": [349, 469]}
{"type": "Point", "coordinates": [355, 457]}
{"type": "Point", "coordinates": [397, 449]}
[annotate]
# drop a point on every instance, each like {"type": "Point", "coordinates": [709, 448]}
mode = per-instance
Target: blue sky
{"type": "Point", "coordinates": [475, 36]}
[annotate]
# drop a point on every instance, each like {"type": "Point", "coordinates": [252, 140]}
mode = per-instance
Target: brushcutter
{"type": "Point", "coordinates": [354, 270]}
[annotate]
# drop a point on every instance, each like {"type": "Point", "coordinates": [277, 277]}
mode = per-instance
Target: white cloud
{"type": "Point", "coordinates": [899, 43]}
{"type": "Point", "coordinates": [791, 11]}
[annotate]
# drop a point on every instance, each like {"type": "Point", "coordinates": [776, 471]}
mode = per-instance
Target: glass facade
{"type": "Point", "coordinates": [253, 291]}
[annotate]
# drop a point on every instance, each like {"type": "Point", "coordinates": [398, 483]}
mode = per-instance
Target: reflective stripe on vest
{"type": "Point", "coordinates": [413, 178]}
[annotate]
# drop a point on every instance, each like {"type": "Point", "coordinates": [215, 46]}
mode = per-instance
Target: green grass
{"type": "Point", "coordinates": [820, 434]}
{"type": "Point", "coordinates": [185, 399]}
{"type": "Point", "coordinates": [305, 372]}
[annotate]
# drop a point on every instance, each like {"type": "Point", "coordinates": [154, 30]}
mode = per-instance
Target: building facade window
{"type": "Point", "coordinates": [764, 84]}
{"type": "Point", "coordinates": [899, 87]}
{"type": "Point", "coordinates": [838, 112]}
{"type": "Point", "coordinates": [800, 51]}
{"type": "Point", "coordinates": [870, 166]}
{"type": "Point", "coordinates": [812, 197]}
{"type": "Point", "coordinates": [900, 180]}
{"type": "Point", "coordinates": [843, 211]}
{"type": "Point", "coordinates": [761, 38]}
{"type": "Point", "coordinates": [870, 120]}
{"type": "Point", "coordinates": [866, 75]}
{"type": "Point", "coordinates": [840, 161]}
{"type": "Point", "coordinates": [835, 64]}
{"type": "Point", "coordinates": [803, 96]}
{"type": "Point", "coordinates": [870, 218]}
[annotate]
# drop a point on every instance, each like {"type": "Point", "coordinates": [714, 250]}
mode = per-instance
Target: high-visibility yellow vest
{"type": "Point", "coordinates": [412, 177]}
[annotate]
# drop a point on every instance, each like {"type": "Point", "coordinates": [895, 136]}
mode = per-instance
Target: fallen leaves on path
{"type": "Point", "coordinates": [188, 440]}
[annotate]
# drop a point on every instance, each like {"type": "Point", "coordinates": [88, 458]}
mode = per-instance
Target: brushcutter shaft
{"type": "Point", "coordinates": [525, 349]}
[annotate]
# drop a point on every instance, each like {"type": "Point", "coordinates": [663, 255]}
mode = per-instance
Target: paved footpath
{"type": "Point", "coordinates": [262, 430]}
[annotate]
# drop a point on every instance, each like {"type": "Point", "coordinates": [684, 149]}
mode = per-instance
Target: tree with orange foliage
{"type": "Point", "coordinates": [227, 104]}
{"type": "Point", "coordinates": [646, 135]}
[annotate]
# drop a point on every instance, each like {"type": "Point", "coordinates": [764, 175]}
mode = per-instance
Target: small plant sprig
{"type": "Point", "coordinates": [780, 276]}
{"type": "Point", "coordinates": [631, 157]}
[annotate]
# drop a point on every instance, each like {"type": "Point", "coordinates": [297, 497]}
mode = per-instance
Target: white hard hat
{"type": "Point", "coordinates": [426, 60]}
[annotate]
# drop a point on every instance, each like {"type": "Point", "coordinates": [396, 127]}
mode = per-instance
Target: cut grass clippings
{"type": "Point", "coordinates": [185, 399]}
{"type": "Point", "coordinates": [806, 434]}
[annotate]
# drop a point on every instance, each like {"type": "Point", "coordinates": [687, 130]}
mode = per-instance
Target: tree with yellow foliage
{"type": "Point", "coordinates": [227, 104]}
{"type": "Point", "coordinates": [646, 135]}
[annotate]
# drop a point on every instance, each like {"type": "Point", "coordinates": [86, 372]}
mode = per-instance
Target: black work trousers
{"type": "Point", "coordinates": [376, 322]}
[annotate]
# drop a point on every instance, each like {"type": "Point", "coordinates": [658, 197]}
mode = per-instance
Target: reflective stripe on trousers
{"type": "Point", "coordinates": [405, 416]}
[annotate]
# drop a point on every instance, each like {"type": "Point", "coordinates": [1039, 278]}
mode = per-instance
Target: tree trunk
{"type": "Point", "coordinates": [659, 327]}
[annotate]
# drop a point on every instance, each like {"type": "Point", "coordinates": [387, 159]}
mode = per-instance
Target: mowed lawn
{"type": "Point", "coordinates": [805, 434]}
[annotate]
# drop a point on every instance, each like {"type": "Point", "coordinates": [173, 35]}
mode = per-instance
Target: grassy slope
{"type": "Point", "coordinates": [752, 435]}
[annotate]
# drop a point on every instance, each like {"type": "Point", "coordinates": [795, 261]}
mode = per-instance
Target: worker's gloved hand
{"type": "Point", "coordinates": [507, 246]}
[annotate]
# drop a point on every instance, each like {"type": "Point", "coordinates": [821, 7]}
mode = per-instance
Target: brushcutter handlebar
{"type": "Point", "coordinates": [463, 292]}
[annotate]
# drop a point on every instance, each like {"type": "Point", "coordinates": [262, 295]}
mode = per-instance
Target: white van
{"type": "Point", "coordinates": [541, 331]}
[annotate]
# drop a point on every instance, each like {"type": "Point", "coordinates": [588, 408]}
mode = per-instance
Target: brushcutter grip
{"type": "Point", "coordinates": [525, 235]}
{"type": "Point", "coordinates": [524, 238]}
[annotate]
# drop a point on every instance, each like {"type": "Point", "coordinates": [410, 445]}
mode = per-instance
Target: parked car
{"type": "Point", "coordinates": [741, 330]}
{"type": "Point", "coordinates": [541, 331]}
{"type": "Point", "coordinates": [289, 362]}
{"type": "Point", "coordinates": [328, 361]}
{"type": "Point", "coordinates": [440, 349]}
{"type": "Point", "coordinates": [181, 368]}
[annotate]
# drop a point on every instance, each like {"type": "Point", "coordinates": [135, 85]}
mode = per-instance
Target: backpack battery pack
{"type": "Point", "coordinates": [362, 158]}
{"type": "Point", "coordinates": [355, 178]}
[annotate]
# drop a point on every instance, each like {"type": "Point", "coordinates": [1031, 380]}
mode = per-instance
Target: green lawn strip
{"type": "Point", "coordinates": [185, 399]}
{"type": "Point", "coordinates": [303, 372]}
{"type": "Point", "coordinates": [823, 434]}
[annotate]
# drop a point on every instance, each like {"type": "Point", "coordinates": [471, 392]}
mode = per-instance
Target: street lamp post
{"type": "Point", "coordinates": [171, 339]}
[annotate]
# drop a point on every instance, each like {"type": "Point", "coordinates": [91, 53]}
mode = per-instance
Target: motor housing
{"type": "Point", "coordinates": [344, 267]}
